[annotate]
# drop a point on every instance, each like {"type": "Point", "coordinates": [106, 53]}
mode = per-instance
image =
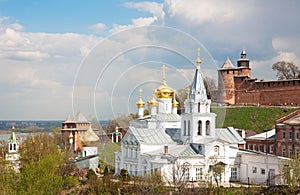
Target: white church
{"type": "Point", "coordinates": [189, 145]}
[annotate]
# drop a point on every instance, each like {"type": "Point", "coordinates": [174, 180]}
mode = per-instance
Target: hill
{"type": "Point", "coordinates": [250, 117]}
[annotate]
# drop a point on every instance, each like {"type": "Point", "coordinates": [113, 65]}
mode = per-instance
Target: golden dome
{"type": "Point", "coordinates": [175, 104]}
{"type": "Point", "coordinates": [164, 91]}
{"type": "Point", "coordinates": [140, 103]}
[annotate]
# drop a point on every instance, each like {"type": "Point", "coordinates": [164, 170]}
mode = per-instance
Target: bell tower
{"type": "Point", "coordinates": [198, 123]}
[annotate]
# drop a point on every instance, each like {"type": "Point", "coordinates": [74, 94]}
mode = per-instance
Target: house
{"type": "Point", "coordinates": [287, 135]}
{"type": "Point", "coordinates": [263, 142]}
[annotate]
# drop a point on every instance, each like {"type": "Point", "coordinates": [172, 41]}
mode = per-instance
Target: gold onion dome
{"type": "Point", "coordinates": [164, 91]}
{"type": "Point", "coordinates": [140, 103]}
{"type": "Point", "coordinates": [175, 104]}
{"type": "Point", "coordinates": [153, 101]}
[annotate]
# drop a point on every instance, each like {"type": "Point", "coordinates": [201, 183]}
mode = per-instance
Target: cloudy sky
{"type": "Point", "coordinates": [59, 57]}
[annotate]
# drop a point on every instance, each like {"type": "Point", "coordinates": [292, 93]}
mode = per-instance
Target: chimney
{"type": "Point", "coordinates": [166, 150]}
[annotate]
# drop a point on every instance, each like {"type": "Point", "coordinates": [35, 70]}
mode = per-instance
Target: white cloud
{"type": "Point", "coordinates": [98, 27]}
{"type": "Point", "coordinates": [138, 22]}
{"type": "Point", "coordinates": [153, 7]}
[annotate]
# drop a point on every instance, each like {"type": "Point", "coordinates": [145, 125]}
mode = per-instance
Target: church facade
{"type": "Point", "coordinates": [235, 86]}
{"type": "Point", "coordinates": [189, 146]}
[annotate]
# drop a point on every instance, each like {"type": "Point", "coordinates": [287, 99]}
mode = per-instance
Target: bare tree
{"type": "Point", "coordinates": [286, 70]}
{"type": "Point", "coordinates": [291, 174]}
{"type": "Point", "coordinates": [179, 175]}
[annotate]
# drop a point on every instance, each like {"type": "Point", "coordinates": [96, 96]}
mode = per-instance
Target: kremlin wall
{"type": "Point", "coordinates": [235, 86]}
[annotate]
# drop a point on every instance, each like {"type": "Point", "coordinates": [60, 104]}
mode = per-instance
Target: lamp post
{"type": "Point", "coordinates": [267, 166]}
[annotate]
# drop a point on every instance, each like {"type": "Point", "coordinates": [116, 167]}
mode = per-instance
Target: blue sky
{"type": "Point", "coordinates": [56, 16]}
{"type": "Point", "coordinates": [63, 56]}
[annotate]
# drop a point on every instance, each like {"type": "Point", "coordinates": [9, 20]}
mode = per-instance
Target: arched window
{"type": "Point", "coordinates": [207, 128]}
{"type": "Point", "coordinates": [184, 127]}
{"type": "Point", "coordinates": [199, 107]}
{"type": "Point", "coordinates": [189, 127]}
{"type": "Point", "coordinates": [199, 127]}
{"type": "Point", "coordinates": [216, 150]}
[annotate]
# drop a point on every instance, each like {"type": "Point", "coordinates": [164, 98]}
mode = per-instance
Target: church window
{"type": "Point", "coordinates": [14, 146]}
{"type": "Point", "coordinates": [198, 107]}
{"type": "Point", "coordinates": [207, 128]}
{"type": "Point", "coordinates": [233, 174]}
{"type": "Point", "coordinates": [189, 127]}
{"type": "Point", "coordinates": [184, 127]}
{"type": "Point", "coordinates": [199, 174]}
{"type": "Point", "coordinates": [283, 135]}
{"type": "Point", "coordinates": [199, 127]}
{"type": "Point", "coordinates": [216, 150]}
{"type": "Point", "coordinates": [254, 170]}
{"type": "Point", "coordinates": [10, 146]}
{"type": "Point", "coordinates": [187, 173]}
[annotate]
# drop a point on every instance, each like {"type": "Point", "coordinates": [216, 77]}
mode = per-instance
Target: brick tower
{"type": "Point", "coordinates": [226, 78]}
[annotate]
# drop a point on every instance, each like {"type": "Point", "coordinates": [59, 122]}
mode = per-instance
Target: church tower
{"type": "Point", "coordinates": [164, 95]}
{"type": "Point", "coordinates": [197, 124]}
{"type": "Point", "coordinates": [140, 105]}
{"type": "Point", "coordinates": [13, 147]}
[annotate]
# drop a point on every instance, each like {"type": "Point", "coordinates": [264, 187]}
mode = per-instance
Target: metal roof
{"type": "Point", "coordinates": [151, 136]}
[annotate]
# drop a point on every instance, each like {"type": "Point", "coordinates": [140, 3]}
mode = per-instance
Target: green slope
{"type": "Point", "coordinates": [250, 118]}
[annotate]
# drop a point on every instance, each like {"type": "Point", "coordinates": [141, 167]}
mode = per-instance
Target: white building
{"type": "Point", "coordinates": [189, 144]}
{"type": "Point", "coordinates": [13, 148]}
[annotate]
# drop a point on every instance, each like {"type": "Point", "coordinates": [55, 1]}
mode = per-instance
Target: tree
{"type": "Point", "coordinates": [291, 174]}
{"type": "Point", "coordinates": [286, 70]}
{"type": "Point", "coordinates": [179, 175]}
{"type": "Point", "coordinates": [149, 184]}
{"type": "Point", "coordinates": [35, 148]}
{"type": "Point", "coordinates": [8, 178]}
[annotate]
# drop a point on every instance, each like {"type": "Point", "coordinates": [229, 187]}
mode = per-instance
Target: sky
{"type": "Point", "coordinates": [58, 57]}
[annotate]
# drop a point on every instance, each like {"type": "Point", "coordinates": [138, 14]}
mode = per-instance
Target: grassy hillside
{"type": "Point", "coordinates": [254, 118]}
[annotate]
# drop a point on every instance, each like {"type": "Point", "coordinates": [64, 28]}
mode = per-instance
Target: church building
{"type": "Point", "coordinates": [188, 145]}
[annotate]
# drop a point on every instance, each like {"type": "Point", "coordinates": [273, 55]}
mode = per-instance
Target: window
{"type": "Point", "coordinates": [260, 148]}
{"type": "Point", "coordinates": [297, 135]}
{"type": "Point", "coordinates": [199, 128]}
{"type": "Point", "coordinates": [283, 152]}
{"type": "Point", "coordinates": [265, 148]}
{"type": "Point", "coordinates": [199, 174]}
{"type": "Point", "coordinates": [184, 127]}
{"type": "Point", "coordinates": [216, 150]}
{"type": "Point", "coordinates": [200, 149]}
{"type": "Point", "coordinates": [207, 128]}
{"type": "Point", "coordinates": [249, 146]}
{"type": "Point", "coordinates": [199, 107]}
{"type": "Point", "coordinates": [271, 148]}
{"type": "Point", "coordinates": [254, 170]}
{"type": "Point", "coordinates": [263, 171]}
{"type": "Point", "coordinates": [290, 152]}
{"type": "Point", "coordinates": [254, 147]}
{"type": "Point", "coordinates": [283, 135]}
{"type": "Point", "coordinates": [290, 135]}
{"type": "Point", "coordinates": [187, 174]}
{"type": "Point", "coordinates": [189, 127]}
{"type": "Point", "coordinates": [233, 174]}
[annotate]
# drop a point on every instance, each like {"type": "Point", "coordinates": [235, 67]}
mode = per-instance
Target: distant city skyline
{"type": "Point", "coordinates": [61, 57]}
